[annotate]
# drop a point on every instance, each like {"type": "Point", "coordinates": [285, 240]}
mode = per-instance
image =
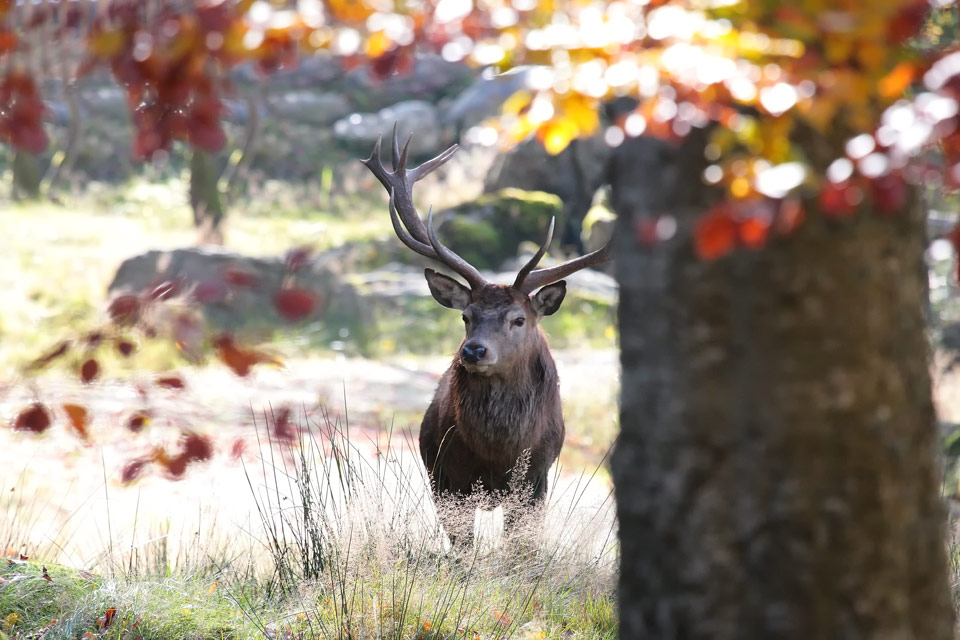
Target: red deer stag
{"type": "Point", "coordinates": [499, 401]}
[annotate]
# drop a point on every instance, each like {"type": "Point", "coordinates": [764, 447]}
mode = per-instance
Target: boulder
{"type": "Point", "coordinates": [488, 231]}
{"type": "Point", "coordinates": [574, 175]}
{"type": "Point", "coordinates": [361, 130]}
{"type": "Point", "coordinates": [432, 79]}
{"type": "Point", "coordinates": [597, 227]}
{"type": "Point", "coordinates": [237, 292]}
{"type": "Point", "coordinates": [309, 107]}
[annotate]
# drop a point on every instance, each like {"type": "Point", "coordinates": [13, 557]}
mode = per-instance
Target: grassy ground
{"type": "Point", "coordinates": [345, 546]}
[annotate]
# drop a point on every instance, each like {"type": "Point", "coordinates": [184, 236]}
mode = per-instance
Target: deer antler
{"type": "Point", "coordinates": [528, 280]}
{"type": "Point", "coordinates": [406, 219]}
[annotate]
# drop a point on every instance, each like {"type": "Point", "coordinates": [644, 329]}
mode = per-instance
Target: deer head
{"type": "Point", "coordinates": [501, 321]}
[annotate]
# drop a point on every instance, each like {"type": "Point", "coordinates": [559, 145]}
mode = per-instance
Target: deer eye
{"type": "Point", "coordinates": [519, 322]}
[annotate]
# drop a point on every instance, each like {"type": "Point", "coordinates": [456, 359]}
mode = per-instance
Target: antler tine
{"type": "Point", "coordinates": [452, 260]}
{"type": "Point", "coordinates": [376, 167]}
{"type": "Point", "coordinates": [404, 235]}
{"type": "Point", "coordinates": [401, 165]}
{"type": "Point", "coordinates": [543, 277]}
{"type": "Point", "coordinates": [430, 165]}
{"type": "Point", "coordinates": [395, 151]}
{"type": "Point", "coordinates": [532, 263]}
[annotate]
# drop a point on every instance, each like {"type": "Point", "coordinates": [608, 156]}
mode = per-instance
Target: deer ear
{"type": "Point", "coordinates": [548, 299]}
{"type": "Point", "coordinates": [447, 291]}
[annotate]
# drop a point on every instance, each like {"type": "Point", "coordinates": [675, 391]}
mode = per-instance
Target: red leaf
{"type": "Point", "coordinates": [890, 193]}
{"type": "Point", "coordinates": [104, 621]}
{"type": "Point", "coordinates": [210, 291]}
{"type": "Point", "coordinates": [239, 277]}
{"type": "Point", "coordinates": [138, 421]}
{"type": "Point", "coordinates": [839, 200]}
{"type": "Point", "coordinates": [166, 289]}
{"type": "Point", "coordinates": [790, 216]}
{"type": "Point", "coordinates": [93, 339]}
{"type": "Point", "coordinates": [295, 304]}
{"type": "Point", "coordinates": [133, 469]}
{"type": "Point", "coordinates": [907, 22]}
{"type": "Point", "coordinates": [298, 258]}
{"type": "Point", "coordinates": [283, 429]}
{"type": "Point", "coordinates": [89, 371]}
{"type": "Point", "coordinates": [34, 418]}
{"type": "Point", "coordinates": [125, 347]}
{"type": "Point", "coordinates": [32, 139]}
{"type": "Point", "coordinates": [238, 448]}
{"type": "Point", "coordinates": [715, 234]}
{"type": "Point", "coordinates": [46, 576]}
{"type": "Point", "coordinates": [196, 446]}
{"type": "Point", "coordinates": [170, 382]}
{"type": "Point", "coordinates": [50, 356]}
{"type": "Point", "coordinates": [124, 309]}
{"type": "Point", "coordinates": [79, 419]}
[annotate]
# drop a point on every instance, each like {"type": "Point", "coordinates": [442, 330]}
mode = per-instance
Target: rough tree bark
{"type": "Point", "coordinates": [776, 473]}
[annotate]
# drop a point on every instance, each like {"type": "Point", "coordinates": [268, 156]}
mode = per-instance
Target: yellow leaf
{"type": "Point", "coordinates": [556, 134]}
{"type": "Point", "coordinates": [377, 44]}
{"type": "Point", "coordinates": [107, 44]}
{"type": "Point", "coordinates": [516, 103]}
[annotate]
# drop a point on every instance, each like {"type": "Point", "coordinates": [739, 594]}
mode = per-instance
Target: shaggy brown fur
{"type": "Point", "coordinates": [480, 423]}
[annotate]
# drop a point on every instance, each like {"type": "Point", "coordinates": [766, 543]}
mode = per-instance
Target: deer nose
{"type": "Point", "coordinates": [472, 353]}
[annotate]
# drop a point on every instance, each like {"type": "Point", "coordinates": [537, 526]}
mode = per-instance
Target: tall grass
{"type": "Point", "coordinates": [347, 542]}
{"type": "Point", "coordinates": [359, 545]}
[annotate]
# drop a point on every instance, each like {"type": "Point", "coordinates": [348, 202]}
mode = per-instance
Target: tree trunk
{"type": "Point", "coordinates": [205, 197]}
{"type": "Point", "coordinates": [26, 175]}
{"type": "Point", "coordinates": [776, 472]}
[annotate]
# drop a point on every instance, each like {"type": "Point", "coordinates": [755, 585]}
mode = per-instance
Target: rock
{"type": "Point", "coordinates": [105, 102]}
{"type": "Point", "coordinates": [487, 231]}
{"type": "Point", "coordinates": [597, 227]}
{"type": "Point", "coordinates": [361, 130]}
{"type": "Point", "coordinates": [574, 175]}
{"type": "Point", "coordinates": [235, 291]}
{"type": "Point", "coordinates": [309, 107]}
{"type": "Point", "coordinates": [484, 97]}
{"type": "Point", "coordinates": [432, 79]}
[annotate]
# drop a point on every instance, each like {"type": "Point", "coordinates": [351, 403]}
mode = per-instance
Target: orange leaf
{"type": "Point", "coordinates": [715, 234]}
{"type": "Point", "coordinates": [240, 360]}
{"type": "Point", "coordinates": [79, 419]}
{"type": "Point", "coordinates": [754, 232]}
{"type": "Point", "coordinates": [897, 81]}
{"type": "Point", "coordinates": [213, 587]}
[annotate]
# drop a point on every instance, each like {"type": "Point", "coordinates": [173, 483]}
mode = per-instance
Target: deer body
{"type": "Point", "coordinates": [478, 426]}
{"type": "Point", "coordinates": [498, 403]}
